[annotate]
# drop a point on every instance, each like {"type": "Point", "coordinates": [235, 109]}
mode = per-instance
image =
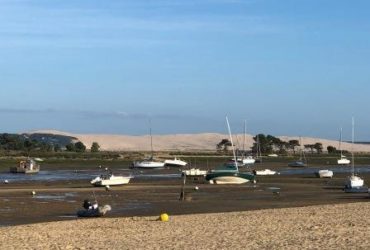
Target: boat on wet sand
{"type": "Point", "coordinates": [265, 172]}
{"type": "Point", "coordinates": [175, 162]}
{"type": "Point", "coordinates": [110, 180]}
{"type": "Point", "coordinates": [150, 162]}
{"type": "Point", "coordinates": [194, 172]}
{"type": "Point", "coordinates": [353, 181]}
{"type": "Point", "coordinates": [343, 160]}
{"type": "Point", "coordinates": [229, 173]}
{"type": "Point", "coordinates": [324, 173]}
{"type": "Point", "coordinates": [28, 166]}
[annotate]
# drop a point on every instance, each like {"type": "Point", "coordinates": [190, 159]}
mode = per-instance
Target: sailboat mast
{"type": "Point", "coordinates": [340, 142]}
{"type": "Point", "coordinates": [151, 139]}
{"type": "Point", "coordinates": [232, 144]}
{"type": "Point", "coordinates": [245, 134]}
{"type": "Point", "coordinates": [353, 142]}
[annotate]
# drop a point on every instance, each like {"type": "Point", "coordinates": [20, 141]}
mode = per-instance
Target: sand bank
{"type": "Point", "coordinates": [345, 226]}
{"type": "Point", "coordinates": [186, 142]}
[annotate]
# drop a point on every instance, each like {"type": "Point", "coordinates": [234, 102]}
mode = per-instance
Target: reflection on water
{"type": "Point", "coordinates": [335, 169]}
{"type": "Point", "coordinates": [66, 175]}
{"type": "Point", "coordinates": [55, 197]}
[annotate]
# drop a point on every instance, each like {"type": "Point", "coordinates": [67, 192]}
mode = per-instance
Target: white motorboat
{"type": "Point", "coordinates": [325, 173]}
{"type": "Point", "coordinates": [265, 172]}
{"type": "Point", "coordinates": [194, 172]}
{"type": "Point", "coordinates": [343, 160]}
{"type": "Point", "coordinates": [353, 181]}
{"type": "Point", "coordinates": [110, 180]}
{"type": "Point", "coordinates": [175, 162]}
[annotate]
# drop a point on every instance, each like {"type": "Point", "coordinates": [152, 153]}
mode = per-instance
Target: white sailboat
{"type": "Point", "coordinates": [245, 160]}
{"type": "Point", "coordinates": [353, 181]}
{"type": "Point", "coordinates": [343, 160]}
{"type": "Point", "coordinates": [150, 162]}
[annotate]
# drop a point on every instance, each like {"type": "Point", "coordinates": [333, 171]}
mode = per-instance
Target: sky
{"type": "Point", "coordinates": [287, 67]}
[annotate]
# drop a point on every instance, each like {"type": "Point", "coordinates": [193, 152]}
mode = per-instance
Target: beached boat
{"type": "Point", "coordinates": [229, 173]}
{"type": "Point", "coordinates": [194, 172]}
{"type": "Point", "coordinates": [29, 166]}
{"type": "Point", "coordinates": [110, 180]}
{"type": "Point", "coordinates": [175, 162]}
{"type": "Point", "coordinates": [265, 172]}
{"type": "Point", "coordinates": [94, 212]}
{"type": "Point", "coordinates": [343, 160]}
{"type": "Point", "coordinates": [324, 173]}
{"type": "Point", "coordinates": [353, 181]}
{"type": "Point", "coordinates": [298, 163]}
{"type": "Point", "coordinates": [150, 162]}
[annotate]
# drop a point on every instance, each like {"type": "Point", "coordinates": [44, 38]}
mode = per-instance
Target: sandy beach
{"type": "Point", "coordinates": [344, 226]}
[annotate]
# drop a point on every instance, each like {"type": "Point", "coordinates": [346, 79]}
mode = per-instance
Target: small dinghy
{"type": "Point", "coordinates": [93, 210]}
{"type": "Point", "coordinates": [324, 173]}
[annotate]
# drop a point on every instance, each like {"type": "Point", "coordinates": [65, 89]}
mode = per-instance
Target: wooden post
{"type": "Point", "coordinates": [182, 194]}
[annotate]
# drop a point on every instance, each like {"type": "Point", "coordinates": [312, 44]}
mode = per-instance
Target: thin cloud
{"type": "Point", "coordinates": [92, 114]}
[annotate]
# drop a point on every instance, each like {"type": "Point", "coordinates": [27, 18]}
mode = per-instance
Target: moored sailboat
{"type": "Point", "coordinates": [229, 173]}
{"type": "Point", "coordinates": [150, 162]}
{"type": "Point", "coordinates": [353, 181]}
{"type": "Point", "coordinates": [343, 159]}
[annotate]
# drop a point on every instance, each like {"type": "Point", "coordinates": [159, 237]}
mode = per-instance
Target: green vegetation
{"type": "Point", "coordinates": [95, 147]}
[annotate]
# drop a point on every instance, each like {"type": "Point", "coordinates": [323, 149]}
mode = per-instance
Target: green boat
{"type": "Point", "coordinates": [229, 173]}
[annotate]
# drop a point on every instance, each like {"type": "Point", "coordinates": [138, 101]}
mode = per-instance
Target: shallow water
{"type": "Point", "coordinates": [335, 169]}
{"type": "Point", "coordinates": [72, 175]}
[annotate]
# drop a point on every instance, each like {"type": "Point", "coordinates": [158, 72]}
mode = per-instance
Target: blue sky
{"type": "Point", "coordinates": [298, 67]}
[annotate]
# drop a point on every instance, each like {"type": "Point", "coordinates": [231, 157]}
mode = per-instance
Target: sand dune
{"type": "Point", "coordinates": [185, 142]}
{"type": "Point", "coordinates": [344, 226]}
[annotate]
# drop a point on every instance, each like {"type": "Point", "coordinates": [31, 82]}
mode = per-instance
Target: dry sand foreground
{"type": "Point", "coordinates": [343, 226]}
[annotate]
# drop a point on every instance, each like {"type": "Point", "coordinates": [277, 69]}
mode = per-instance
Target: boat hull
{"type": "Point", "coordinates": [194, 172]}
{"type": "Point", "coordinates": [16, 170]}
{"type": "Point", "coordinates": [101, 211]}
{"type": "Point", "coordinates": [110, 182]}
{"type": "Point", "coordinates": [354, 182]}
{"type": "Point", "coordinates": [343, 162]}
{"type": "Point", "coordinates": [297, 164]}
{"type": "Point", "coordinates": [229, 178]}
{"type": "Point", "coordinates": [325, 174]}
{"type": "Point", "coordinates": [175, 163]}
{"type": "Point", "coordinates": [148, 164]}
{"type": "Point", "coordinates": [264, 172]}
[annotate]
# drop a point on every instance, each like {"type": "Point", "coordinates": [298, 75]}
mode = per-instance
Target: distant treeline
{"type": "Point", "coordinates": [268, 144]}
{"type": "Point", "coordinates": [43, 143]}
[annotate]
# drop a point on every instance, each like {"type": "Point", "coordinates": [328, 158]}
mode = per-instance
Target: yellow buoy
{"type": "Point", "coordinates": [164, 217]}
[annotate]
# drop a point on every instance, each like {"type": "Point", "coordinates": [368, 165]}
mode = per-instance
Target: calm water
{"type": "Point", "coordinates": [60, 175]}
